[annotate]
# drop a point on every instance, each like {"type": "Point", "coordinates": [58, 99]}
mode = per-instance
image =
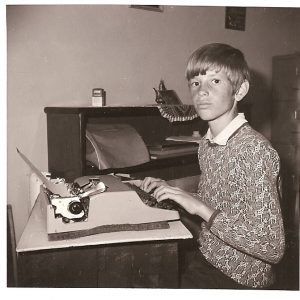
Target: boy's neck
{"type": "Point", "coordinates": [217, 125]}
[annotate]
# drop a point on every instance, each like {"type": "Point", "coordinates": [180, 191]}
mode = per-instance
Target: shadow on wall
{"type": "Point", "coordinates": [259, 96]}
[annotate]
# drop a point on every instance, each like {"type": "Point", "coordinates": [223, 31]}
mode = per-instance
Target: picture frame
{"type": "Point", "coordinates": [235, 18]}
{"type": "Point", "coordinates": [157, 8]}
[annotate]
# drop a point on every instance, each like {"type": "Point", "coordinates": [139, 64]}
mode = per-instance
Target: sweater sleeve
{"type": "Point", "coordinates": [257, 228]}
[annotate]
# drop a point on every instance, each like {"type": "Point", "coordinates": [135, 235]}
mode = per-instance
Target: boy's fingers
{"type": "Point", "coordinates": [150, 183]}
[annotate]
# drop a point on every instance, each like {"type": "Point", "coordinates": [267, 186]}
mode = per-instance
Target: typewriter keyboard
{"type": "Point", "coordinates": [149, 200]}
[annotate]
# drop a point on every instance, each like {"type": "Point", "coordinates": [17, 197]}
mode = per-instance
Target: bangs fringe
{"type": "Point", "coordinates": [196, 67]}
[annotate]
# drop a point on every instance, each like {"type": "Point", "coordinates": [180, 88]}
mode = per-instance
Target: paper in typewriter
{"type": "Point", "coordinates": [59, 189]}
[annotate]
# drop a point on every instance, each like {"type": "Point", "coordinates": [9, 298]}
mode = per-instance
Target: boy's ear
{"type": "Point", "coordinates": [242, 92]}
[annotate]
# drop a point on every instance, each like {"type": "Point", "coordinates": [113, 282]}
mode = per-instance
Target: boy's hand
{"type": "Point", "coordinates": [190, 203]}
{"type": "Point", "coordinates": [151, 183]}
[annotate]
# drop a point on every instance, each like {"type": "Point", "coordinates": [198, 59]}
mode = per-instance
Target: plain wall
{"type": "Point", "coordinates": [56, 55]}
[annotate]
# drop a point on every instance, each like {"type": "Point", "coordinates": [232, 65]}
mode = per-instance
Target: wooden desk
{"type": "Point", "coordinates": [147, 259]}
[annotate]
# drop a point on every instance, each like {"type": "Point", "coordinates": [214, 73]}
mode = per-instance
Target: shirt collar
{"type": "Point", "coordinates": [226, 133]}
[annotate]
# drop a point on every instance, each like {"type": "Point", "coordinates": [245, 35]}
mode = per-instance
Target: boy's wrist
{"type": "Point", "coordinates": [204, 211]}
{"type": "Point", "coordinates": [211, 219]}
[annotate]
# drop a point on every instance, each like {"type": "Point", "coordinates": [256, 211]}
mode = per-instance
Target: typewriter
{"type": "Point", "coordinates": [98, 204]}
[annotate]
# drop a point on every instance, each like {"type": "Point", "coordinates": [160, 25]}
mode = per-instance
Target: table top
{"type": "Point", "coordinates": [35, 237]}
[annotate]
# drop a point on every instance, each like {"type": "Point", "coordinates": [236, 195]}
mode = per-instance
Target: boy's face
{"type": "Point", "coordinates": [212, 95]}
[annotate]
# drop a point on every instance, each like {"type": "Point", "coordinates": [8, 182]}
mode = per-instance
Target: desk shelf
{"type": "Point", "coordinates": [66, 128]}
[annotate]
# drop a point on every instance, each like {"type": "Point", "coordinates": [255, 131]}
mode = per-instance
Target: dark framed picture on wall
{"type": "Point", "coordinates": [158, 8]}
{"type": "Point", "coordinates": [235, 18]}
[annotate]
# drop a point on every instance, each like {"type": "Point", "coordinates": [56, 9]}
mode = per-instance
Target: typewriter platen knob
{"type": "Point", "coordinates": [75, 207]}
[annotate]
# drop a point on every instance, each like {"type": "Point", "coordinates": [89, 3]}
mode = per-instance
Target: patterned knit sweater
{"type": "Point", "coordinates": [246, 237]}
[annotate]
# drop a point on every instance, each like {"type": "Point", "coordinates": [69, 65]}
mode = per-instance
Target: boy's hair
{"type": "Point", "coordinates": [217, 56]}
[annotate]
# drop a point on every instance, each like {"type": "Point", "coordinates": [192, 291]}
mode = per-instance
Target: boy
{"type": "Point", "coordinates": [242, 235]}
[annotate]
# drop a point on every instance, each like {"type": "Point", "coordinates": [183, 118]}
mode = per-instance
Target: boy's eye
{"type": "Point", "coordinates": [216, 81]}
{"type": "Point", "coordinates": [194, 83]}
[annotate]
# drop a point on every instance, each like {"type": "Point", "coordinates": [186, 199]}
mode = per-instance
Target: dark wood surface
{"type": "Point", "coordinates": [66, 145]}
{"type": "Point", "coordinates": [76, 267]}
{"type": "Point", "coordinates": [145, 265]}
{"type": "Point", "coordinates": [132, 265]}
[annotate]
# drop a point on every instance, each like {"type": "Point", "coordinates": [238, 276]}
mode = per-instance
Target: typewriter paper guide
{"type": "Point", "coordinates": [55, 188]}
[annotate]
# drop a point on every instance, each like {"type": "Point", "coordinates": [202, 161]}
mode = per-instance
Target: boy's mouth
{"type": "Point", "coordinates": [202, 105]}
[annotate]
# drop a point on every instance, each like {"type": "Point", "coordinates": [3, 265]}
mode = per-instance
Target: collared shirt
{"type": "Point", "coordinates": [226, 133]}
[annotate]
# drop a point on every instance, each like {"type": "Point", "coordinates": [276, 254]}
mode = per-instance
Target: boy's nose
{"type": "Point", "coordinates": [203, 89]}
{"type": "Point", "coordinates": [203, 92]}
